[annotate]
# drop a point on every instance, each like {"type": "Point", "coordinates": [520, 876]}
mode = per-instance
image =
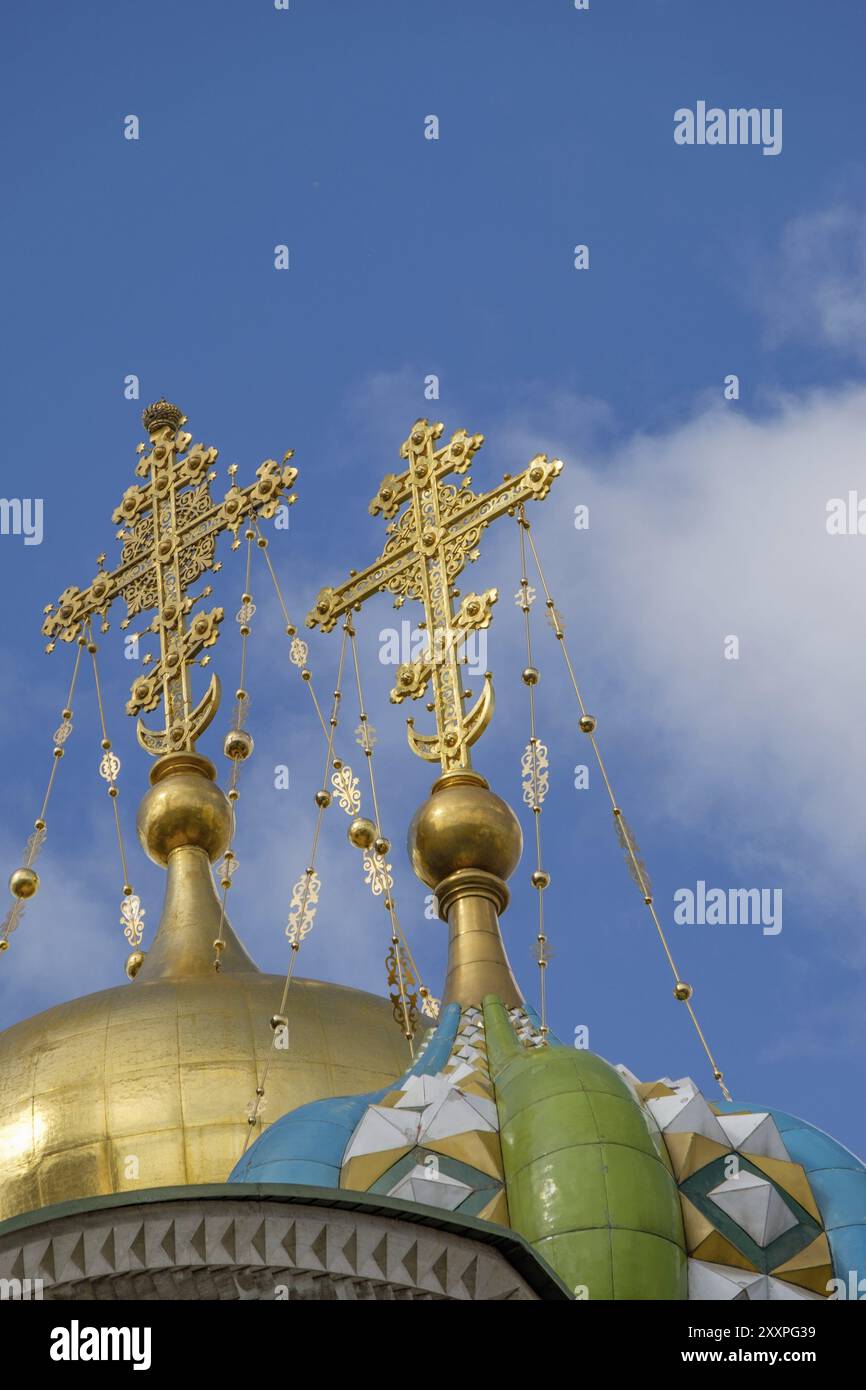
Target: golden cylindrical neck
{"type": "Point", "coordinates": [470, 901]}
{"type": "Point", "coordinates": [464, 843]}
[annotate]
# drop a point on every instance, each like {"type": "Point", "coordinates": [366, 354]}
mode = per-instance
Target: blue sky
{"type": "Point", "coordinates": [455, 257]}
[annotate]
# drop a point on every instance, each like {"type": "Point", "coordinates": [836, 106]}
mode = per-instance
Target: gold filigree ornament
{"type": "Point", "coordinates": [228, 866]}
{"type": "Point", "coordinates": [377, 874]}
{"type": "Point", "coordinates": [302, 909]}
{"type": "Point", "coordinates": [346, 789]}
{"type": "Point", "coordinates": [554, 618]}
{"type": "Point", "coordinates": [366, 736]}
{"type": "Point", "coordinates": [636, 866]}
{"type": "Point", "coordinates": [132, 919]}
{"type": "Point", "coordinates": [109, 767]}
{"type": "Point", "coordinates": [541, 951]}
{"type": "Point", "coordinates": [430, 1006]}
{"type": "Point", "coordinates": [298, 652]}
{"type": "Point", "coordinates": [35, 841]}
{"type": "Point", "coordinates": [534, 771]}
{"type": "Point", "coordinates": [404, 1000]}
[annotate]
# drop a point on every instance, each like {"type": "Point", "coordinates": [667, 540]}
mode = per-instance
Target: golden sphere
{"type": "Point", "coordinates": [362, 832]}
{"type": "Point", "coordinates": [682, 991]}
{"type": "Point", "coordinates": [382, 845]}
{"type": "Point", "coordinates": [238, 745]}
{"type": "Point", "coordinates": [134, 962]}
{"type": "Point", "coordinates": [540, 879]}
{"type": "Point", "coordinates": [464, 825]}
{"type": "Point", "coordinates": [530, 675]}
{"type": "Point", "coordinates": [587, 723]}
{"type": "Point", "coordinates": [184, 807]}
{"type": "Point", "coordinates": [4, 944]}
{"type": "Point", "coordinates": [323, 799]}
{"type": "Point", "coordinates": [23, 883]}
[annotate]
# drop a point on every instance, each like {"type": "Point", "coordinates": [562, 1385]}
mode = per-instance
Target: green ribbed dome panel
{"type": "Point", "coordinates": [587, 1176]}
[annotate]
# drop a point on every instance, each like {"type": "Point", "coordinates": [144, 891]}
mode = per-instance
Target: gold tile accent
{"type": "Point", "coordinates": [689, 1152]}
{"type": "Point", "coordinates": [496, 1210]}
{"type": "Point", "coordinates": [652, 1090]}
{"type": "Point", "coordinates": [359, 1174]}
{"type": "Point", "coordinates": [477, 1085]}
{"type": "Point", "coordinates": [811, 1269]}
{"type": "Point", "coordinates": [790, 1176]}
{"type": "Point", "coordinates": [719, 1251]}
{"type": "Point", "coordinates": [479, 1148]}
{"type": "Point", "coordinates": [696, 1226]}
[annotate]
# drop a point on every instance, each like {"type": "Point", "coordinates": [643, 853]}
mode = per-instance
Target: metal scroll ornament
{"type": "Point", "coordinates": [132, 919]}
{"type": "Point", "coordinates": [35, 841]}
{"type": "Point", "coordinates": [404, 1001]}
{"type": "Point", "coordinates": [636, 867]}
{"type": "Point", "coordinates": [534, 770]}
{"type": "Point", "coordinates": [302, 909]}
{"type": "Point", "coordinates": [109, 767]}
{"type": "Point", "coordinates": [377, 874]}
{"type": "Point", "coordinates": [346, 789]}
{"type": "Point", "coordinates": [298, 652]}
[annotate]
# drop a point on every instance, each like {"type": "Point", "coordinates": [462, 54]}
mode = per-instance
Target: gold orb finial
{"type": "Point", "coordinates": [464, 825]}
{"type": "Point", "coordinates": [238, 745]}
{"type": "Point", "coordinates": [362, 832]}
{"type": "Point", "coordinates": [134, 962]}
{"type": "Point", "coordinates": [23, 882]}
{"type": "Point", "coordinates": [184, 807]}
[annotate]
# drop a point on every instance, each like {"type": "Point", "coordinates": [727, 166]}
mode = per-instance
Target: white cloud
{"type": "Point", "coordinates": [813, 289]}
{"type": "Point", "coordinates": [718, 527]}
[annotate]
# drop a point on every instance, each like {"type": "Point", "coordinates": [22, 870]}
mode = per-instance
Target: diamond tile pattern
{"type": "Point", "coordinates": [451, 1122]}
{"type": "Point", "coordinates": [744, 1199]}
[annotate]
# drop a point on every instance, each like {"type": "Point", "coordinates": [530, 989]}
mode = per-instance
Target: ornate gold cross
{"type": "Point", "coordinates": [169, 529]}
{"type": "Point", "coordinates": [428, 548]}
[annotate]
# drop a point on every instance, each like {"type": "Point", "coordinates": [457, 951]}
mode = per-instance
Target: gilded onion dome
{"type": "Point", "coordinates": [149, 1084]}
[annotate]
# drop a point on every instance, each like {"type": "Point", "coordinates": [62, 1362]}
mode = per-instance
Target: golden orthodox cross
{"type": "Point", "coordinates": [169, 529]}
{"type": "Point", "coordinates": [428, 548]}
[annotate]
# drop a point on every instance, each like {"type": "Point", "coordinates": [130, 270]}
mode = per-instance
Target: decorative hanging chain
{"type": "Point", "coordinates": [366, 835]}
{"type": "Point", "coordinates": [298, 648]}
{"type": "Point", "coordinates": [131, 910]}
{"type": "Point", "coordinates": [24, 881]}
{"type": "Point", "coordinates": [302, 909]}
{"type": "Point", "coordinates": [238, 744]}
{"type": "Point", "coordinates": [588, 723]}
{"type": "Point", "coordinates": [535, 774]}
{"type": "Point", "coordinates": [346, 791]}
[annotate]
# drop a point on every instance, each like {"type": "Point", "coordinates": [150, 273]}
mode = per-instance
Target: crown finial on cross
{"type": "Point", "coordinates": [162, 413]}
